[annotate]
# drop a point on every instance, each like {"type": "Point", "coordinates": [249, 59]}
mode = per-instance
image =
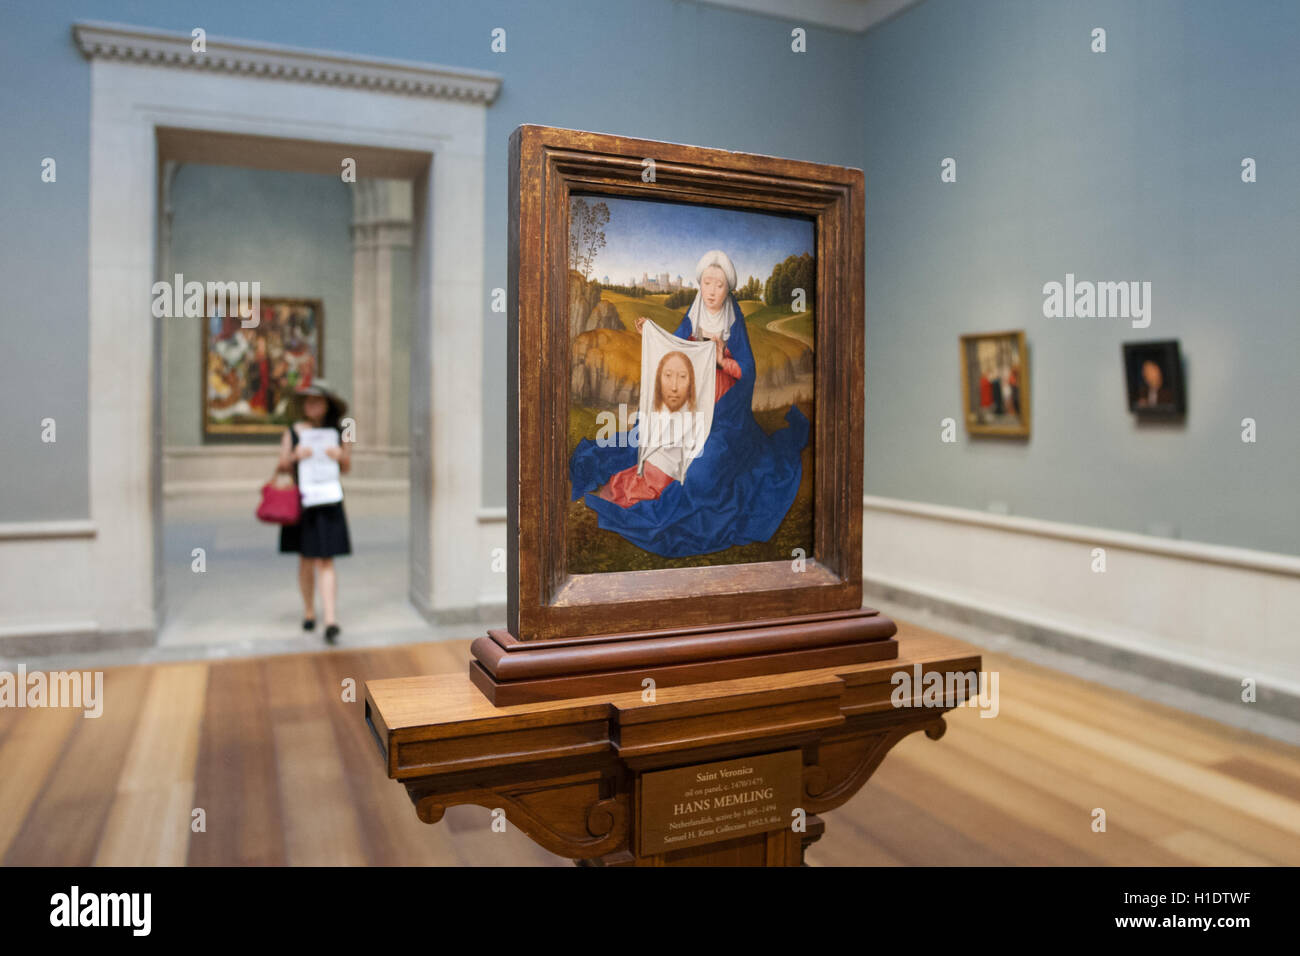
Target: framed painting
{"type": "Point", "coordinates": [249, 374]}
{"type": "Point", "coordinates": [686, 399]}
{"type": "Point", "coordinates": [1153, 372]}
{"type": "Point", "coordinates": [641, 272]}
{"type": "Point", "coordinates": [995, 384]}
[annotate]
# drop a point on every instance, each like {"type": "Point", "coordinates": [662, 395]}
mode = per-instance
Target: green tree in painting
{"type": "Point", "coordinates": [586, 234]}
{"type": "Point", "coordinates": [683, 296]}
{"type": "Point", "coordinates": [795, 272]}
{"type": "Point", "coordinates": [750, 290]}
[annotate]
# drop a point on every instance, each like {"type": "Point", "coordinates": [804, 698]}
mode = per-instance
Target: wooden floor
{"type": "Point", "coordinates": [286, 772]}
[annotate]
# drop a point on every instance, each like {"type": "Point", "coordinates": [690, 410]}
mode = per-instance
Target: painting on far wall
{"type": "Point", "coordinates": [1154, 374]}
{"type": "Point", "coordinates": [995, 383]}
{"type": "Point", "coordinates": [250, 374]}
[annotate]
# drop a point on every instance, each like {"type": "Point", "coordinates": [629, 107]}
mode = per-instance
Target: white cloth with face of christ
{"type": "Point", "coordinates": [680, 374]}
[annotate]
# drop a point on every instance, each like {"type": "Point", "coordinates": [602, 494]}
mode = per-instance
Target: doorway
{"type": "Point", "coordinates": [246, 106]}
{"type": "Point", "coordinates": [329, 262]}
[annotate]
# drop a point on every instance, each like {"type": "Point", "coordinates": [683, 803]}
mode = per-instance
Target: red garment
{"type": "Point", "coordinates": [626, 487]}
{"type": "Point", "coordinates": [986, 392]}
{"type": "Point", "coordinates": [258, 401]}
{"type": "Point", "coordinates": [728, 375]}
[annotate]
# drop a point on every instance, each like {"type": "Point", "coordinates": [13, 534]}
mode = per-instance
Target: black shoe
{"type": "Point", "coordinates": [331, 633]}
{"type": "Point", "coordinates": [309, 624]}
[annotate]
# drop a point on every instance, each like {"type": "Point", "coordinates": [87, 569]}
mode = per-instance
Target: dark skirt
{"type": "Point", "coordinates": [322, 532]}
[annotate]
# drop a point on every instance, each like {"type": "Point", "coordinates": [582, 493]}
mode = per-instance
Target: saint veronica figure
{"type": "Point", "coordinates": [722, 481]}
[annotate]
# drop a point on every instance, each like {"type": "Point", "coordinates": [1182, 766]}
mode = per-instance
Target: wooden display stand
{"type": "Point", "coordinates": [510, 671]}
{"type": "Point", "coordinates": [569, 773]}
{"type": "Point", "coordinates": [588, 718]}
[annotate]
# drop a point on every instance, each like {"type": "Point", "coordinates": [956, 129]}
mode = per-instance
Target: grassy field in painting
{"type": "Point", "coordinates": [799, 324]}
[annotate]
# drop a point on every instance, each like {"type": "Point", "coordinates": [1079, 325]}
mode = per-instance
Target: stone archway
{"type": "Point", "coordinates": [153, 98]}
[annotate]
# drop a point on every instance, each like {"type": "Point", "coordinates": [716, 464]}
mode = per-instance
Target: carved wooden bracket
{"type": "Point", "coordinates": [845, 763]}
{"type": "Point", "coordinates": [557, 818]}
{"type": "Point", "coordinates": [566, 772]}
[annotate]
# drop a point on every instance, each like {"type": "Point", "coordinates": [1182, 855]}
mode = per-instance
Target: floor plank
{"type": "Point", "coordinates": [149, 821]}
{"type": "Point", "coordinates": [31, 749]}
{"type": "Point", "coordinates": [276, 753]}
{"type": "Point", "coordinates": [236, 781]}
{"type": "Point", "coordinates": [68, 819]}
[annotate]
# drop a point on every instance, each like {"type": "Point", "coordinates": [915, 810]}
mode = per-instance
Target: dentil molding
{"type": "Point", "coordinates": [113, 41]}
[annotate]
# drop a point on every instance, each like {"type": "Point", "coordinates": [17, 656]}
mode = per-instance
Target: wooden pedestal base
{"type": "Point", "coordinates": [775, 848]}
{"type": "Point", "coordinates": [510, 671]}
{"type": "Point", "coordinates": [566, 772]}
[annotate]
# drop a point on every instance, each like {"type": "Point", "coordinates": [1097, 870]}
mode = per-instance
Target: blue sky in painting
{"type": "Point", "coordinates": [655, 237]}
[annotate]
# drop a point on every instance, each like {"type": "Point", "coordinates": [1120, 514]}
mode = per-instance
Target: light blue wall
{"type": "Point", "coordinates": [1111, 166]}
{"type": "Point", "coordinates": [289, 231]}
{"type": "Point", "coordinates": [44, 242]}
{"type": "Point", "coordinates": [1122, 165]}
{"type": "Point", "coordinates": [661, 69]}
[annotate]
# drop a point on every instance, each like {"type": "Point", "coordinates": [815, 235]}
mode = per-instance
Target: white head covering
{"type": "Point", "coordinates": [716, 257]}
{"type": "Point", "coordinates": [703, 322]}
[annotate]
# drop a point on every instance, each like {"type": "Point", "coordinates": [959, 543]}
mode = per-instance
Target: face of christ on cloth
{"type": "Point", "coordinates": [675, 383]}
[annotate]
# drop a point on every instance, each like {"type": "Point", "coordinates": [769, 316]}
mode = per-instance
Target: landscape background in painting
{"type": "Point", "coordinates": [631, 257]}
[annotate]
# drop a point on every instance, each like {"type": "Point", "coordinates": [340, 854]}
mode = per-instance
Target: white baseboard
{"type": "Point", "coordinates": [37, 530]}
{"type": "Point", "coordinates": [1188, 613]}
{"type": "Point", "coordinates": [222, 468]}
{"type": "Point", "coordinates": [251, 487]}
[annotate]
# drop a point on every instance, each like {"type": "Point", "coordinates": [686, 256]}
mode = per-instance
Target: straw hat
{"type": "Point", "coordinates": [322, 388]}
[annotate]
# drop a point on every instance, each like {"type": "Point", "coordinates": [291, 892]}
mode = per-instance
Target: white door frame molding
{"type": "Point", "coordinates": [145, 80]}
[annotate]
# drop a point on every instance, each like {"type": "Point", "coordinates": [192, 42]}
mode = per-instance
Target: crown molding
{"type": "Point", "coordinates": [853, 16]}
{"type": "Point", "coordinates": [128, 44]}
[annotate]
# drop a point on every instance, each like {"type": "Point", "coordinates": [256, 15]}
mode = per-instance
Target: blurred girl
{"type": "Point", "coordinates": [322, 533]}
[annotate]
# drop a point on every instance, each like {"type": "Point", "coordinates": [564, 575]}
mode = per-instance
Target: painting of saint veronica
{"type": "Point", "coordinates": [696, 474]}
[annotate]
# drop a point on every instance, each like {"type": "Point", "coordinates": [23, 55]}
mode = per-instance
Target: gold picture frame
{"type": "Point", "coordinates": [995, 384]}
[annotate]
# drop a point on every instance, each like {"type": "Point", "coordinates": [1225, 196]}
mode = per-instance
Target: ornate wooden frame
{"type": "Point", "coordinates": [548, 607]}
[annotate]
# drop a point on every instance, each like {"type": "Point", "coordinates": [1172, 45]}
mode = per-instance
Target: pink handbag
{"type": "Point", "coordinates": [280, 503]}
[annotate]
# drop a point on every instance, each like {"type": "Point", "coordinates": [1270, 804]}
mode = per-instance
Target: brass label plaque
{"type": "Point", "coordinates": [711, 802]}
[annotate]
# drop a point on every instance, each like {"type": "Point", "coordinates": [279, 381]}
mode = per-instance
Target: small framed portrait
{"type": "Point", "coordinates": [1153, 372]}
{"type": "Point", "coordinates": [995, 383]}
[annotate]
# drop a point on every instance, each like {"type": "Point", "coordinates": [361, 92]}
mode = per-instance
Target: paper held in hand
{"type": "Point", "coordinates": [318, 475]}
